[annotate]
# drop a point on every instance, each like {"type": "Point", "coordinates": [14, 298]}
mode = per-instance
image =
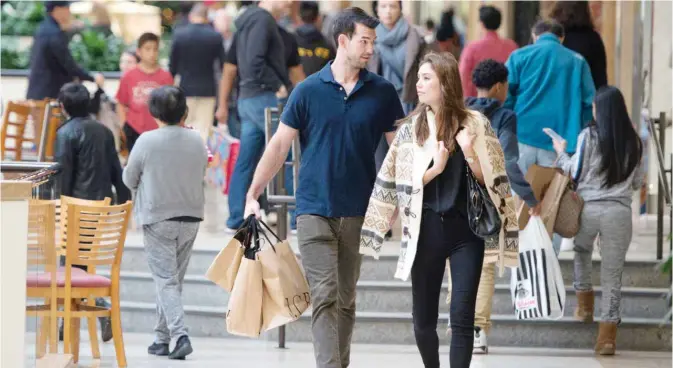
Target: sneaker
{"type": "Point", "coordinates": [158, 349]}
{"type": "Point", "coordinates": [480, 343]}
{"type": "Point", "coordinates": [230, 231]}
{"type": "Point", "coordinates": [182, 348]}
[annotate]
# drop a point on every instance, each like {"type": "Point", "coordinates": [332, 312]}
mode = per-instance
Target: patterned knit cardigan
{"type": "Point", "coordinates": [399, 184]}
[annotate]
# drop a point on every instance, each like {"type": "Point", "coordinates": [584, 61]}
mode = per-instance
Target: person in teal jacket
{"type": "Point", "coordinates": [550, 86]}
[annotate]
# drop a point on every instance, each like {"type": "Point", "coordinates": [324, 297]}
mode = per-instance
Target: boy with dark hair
{"type": "Point", "coordinates": [135, 87]}
{"type": "Point", "coordinates": [491, 46]}
{"type": "Point", "coordinates": [89, 162]}
{"type": "Point", "coordinates": [490, 79]}
{"type": "Point", "coordinates": [166, 170]}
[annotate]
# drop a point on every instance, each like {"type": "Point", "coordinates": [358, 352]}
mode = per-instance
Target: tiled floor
{"type": "Point", "coordinates": [245, 353]}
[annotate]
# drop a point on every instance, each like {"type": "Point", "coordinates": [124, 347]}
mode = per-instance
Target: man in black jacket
{"type": "Point", "coordinates": [196, 48]}
{"type": "Point", "coordinates": [86, 151]}
{"type": "Point", "coordinates": [314, 49]}
{"type": "Point", "coordinates": [51, 64]}
{"type": "Point", "coordinates": [263, 79]}
{"type": "Point", "coordinates": [90, 166]}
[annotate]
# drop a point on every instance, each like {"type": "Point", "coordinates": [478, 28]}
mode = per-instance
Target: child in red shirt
{"type": "Point", "coordinates": [135, 87]}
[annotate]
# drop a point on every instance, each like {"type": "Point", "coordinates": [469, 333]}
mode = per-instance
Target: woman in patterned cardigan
{"type": "Point", "coordinates": [424, 176]}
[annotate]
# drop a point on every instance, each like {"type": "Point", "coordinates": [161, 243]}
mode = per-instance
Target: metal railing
{"type": "Point", "coordinates": [48, 189]}
{"type": "Point", "coordinates": [664, 184]}
{"type": "Point", "coordinates": [276, 192]}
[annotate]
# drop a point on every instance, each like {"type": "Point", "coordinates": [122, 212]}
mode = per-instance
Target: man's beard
{"type": "Point", "coordinates": [356, 62]}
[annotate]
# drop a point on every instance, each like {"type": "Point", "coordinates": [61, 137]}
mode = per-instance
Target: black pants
{"type": "Point", "coordinates": [443, 236]}
{"type": "Point", "coordinates": [131, 136]}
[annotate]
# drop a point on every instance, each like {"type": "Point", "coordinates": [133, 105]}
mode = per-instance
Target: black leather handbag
{"type": "Point", "coordinates": [482, 214]}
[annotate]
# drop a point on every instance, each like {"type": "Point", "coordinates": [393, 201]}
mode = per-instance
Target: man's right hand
{"type": "Point", "coordinates": [252, 208]}
{"type": "Point", "coordinates": [222, 114]}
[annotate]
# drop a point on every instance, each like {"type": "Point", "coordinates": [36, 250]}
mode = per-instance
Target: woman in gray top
{"type": "Point", "coordinates": [607, 168]}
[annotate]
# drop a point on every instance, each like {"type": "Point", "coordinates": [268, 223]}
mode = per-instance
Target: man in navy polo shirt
{"type": "Point", "coordinates": [340, 114]}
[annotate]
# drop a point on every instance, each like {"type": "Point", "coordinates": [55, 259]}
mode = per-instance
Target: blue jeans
{"type": "Point", "coordinates": [234, 123]}
{"type": "Point", "coordinates": [251, 113]}
{"type": "Point", "coordinates": [529, 155]}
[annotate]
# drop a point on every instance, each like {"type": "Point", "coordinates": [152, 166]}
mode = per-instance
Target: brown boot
{"type": "Point", "coordinates": [585, 306]}
{"type": "Point", "coordinates": [607, 336]}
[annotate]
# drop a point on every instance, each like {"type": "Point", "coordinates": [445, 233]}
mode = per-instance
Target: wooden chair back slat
{"type": "Point", "coordinates": [96, 250]}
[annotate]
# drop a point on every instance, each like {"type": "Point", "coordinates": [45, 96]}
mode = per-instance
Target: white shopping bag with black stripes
{"type": "Point", "coordinates": [537, 283]}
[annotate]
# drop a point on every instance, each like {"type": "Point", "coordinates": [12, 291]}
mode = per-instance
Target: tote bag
{"type": "Point", "coordinates": [537, 283]}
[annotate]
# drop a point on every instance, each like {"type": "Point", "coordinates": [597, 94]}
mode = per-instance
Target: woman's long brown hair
{"type": "Point", "coordinates": [452, 112]}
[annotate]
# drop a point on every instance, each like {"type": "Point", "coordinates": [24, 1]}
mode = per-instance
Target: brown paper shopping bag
{"type": "Point", "coordinates": [548, 184]}
{"type": "Point", "coordinates": [225, 266]}
{"type": "Point", "coordinates": [244, 315]}
{"type": "Point", "coordinates": [286, 293]}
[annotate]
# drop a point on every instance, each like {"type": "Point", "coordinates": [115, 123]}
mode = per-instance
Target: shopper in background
{"type": "Point", "coordinates": [314, 50]}
{"type": "Point", "coordinates": [490, 79]}
{"type": "Point", "coordinates": [490, 46]}
{"type": "Point", "coordinates": [51, 63]}
{"type": "Point", "coordinates": [90, 167]}
{"type": "Point", "coordinates": [196, 47]}
{"type": "Point", "coordinates": [582, 37]}
{"type": "Point", "coordinates": [135, 87]}
{"type": "Point", "coordinates": [608, 169]}
{"type": "Point", "coordinates": [263, 72]}
{"type": "Point", "coordinates": [166, 171]}
{"type": "Point", "coordinates": [560, 100]}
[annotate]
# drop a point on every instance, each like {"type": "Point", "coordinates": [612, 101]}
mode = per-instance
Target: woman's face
{"type": "Point", "coordinates": [389, 12]}
{"type": "Point", "coordinates": [127, 62]}
{"type": "Point", "coordinates": [428, 87]}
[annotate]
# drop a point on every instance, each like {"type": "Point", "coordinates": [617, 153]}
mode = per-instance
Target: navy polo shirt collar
{"type": "Point", "coordinates": [327, 76]}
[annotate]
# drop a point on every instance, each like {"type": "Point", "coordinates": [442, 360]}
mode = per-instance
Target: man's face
{"type": "Point", "coordinates": [62, 15]}
{"type": "Point", "coordinates": [360, 47]}
{"type": "Point", "coordinates": [281, 7]}
{"type": "Point", "coordinates": [149, 53]}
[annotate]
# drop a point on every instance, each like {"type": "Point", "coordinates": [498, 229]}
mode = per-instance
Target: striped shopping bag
{"type": "Point", "coordinates": [537, 283]}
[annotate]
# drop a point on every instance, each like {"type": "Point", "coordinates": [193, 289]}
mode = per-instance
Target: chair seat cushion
{"type": "Point", "coordinates": [79, 279]}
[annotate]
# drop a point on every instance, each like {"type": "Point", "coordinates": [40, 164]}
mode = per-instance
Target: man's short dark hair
{"type": "Point", "coordinates": [49, 6]}
{"type": "Point", "coordinates": [75, 99]}
{"type": "Point", "coordinates": [488, 73]}
{"type": "Point", "coordinates": [548, 26]}
{"type": "Point", "coordinates": [147, 37]}
{"type": "Point", "coordinates": [168, 104]}
{"type": "Point", "coordinates": [345, 21]}
{"type": "Point", "coordinates": [490, 17]}
{"type": "Point", "coordinates": [309, 11]}
{"type": "Point", "coordinates": [430, 24]}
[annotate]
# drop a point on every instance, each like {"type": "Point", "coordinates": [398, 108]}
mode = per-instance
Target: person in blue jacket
{"type": "Point", "coordinates": [550, 86]}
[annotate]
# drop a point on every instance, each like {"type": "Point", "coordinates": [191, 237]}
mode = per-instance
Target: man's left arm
{"type": "Point", "coordinates": [59, 49]}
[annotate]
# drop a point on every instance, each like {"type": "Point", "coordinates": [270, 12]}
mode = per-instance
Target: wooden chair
{"type": "Point", "coordinates": [14, 122]}
{"type": "Point", "coordinates": [62, 217]}
{"type": "Point", "coordinates": [41, 253]}
{"type": "Point", "coordinates": [95, 236]}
